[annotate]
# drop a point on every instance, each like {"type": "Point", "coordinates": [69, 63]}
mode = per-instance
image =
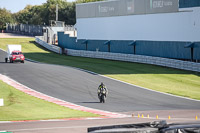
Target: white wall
{"type": "Point", "coordinates": [185, 65]}
{"type": "Point", "coordinates": [181, 26]}
{"type": "Point", "coordinates": [57, 29]}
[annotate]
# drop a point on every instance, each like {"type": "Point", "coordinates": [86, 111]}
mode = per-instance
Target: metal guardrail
{"type": "Point", "coordinates": [53, 48]}
{"type": "Point", "coordinates": [173, 63]}
{"type": "Point", "coordinates": [69, 28]}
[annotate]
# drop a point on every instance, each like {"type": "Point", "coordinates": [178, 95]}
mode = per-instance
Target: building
{"type": "Point", "coordinates": [162, 28]}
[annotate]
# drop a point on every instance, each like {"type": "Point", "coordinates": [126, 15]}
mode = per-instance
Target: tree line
{"type": "Point", "coordinates": [41, 14]}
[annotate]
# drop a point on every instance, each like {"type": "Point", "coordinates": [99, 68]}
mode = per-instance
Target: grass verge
{"type": "Point", "coordinates": [173, 81]}
{"type": "Point", "coordinates": [20, 106]}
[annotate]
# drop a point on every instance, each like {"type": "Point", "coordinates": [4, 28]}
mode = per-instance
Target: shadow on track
{"type": "Point", "coordinates": [88, 102]}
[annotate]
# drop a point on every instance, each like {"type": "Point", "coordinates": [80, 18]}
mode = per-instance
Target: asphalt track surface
{"type": "Point", "coordinates": [80, 87]}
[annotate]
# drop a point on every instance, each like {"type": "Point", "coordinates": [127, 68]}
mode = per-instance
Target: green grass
{"type": "Point", "coordinates": [173, 81]}
{"type": "Point", "coordinates": [20, 106]}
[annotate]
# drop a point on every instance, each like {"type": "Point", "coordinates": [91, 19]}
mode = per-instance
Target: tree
{"type": "Point", "coordinates": [24, 15]}
{"type": "Point", "coordinates": [29, 15]}
{"type": "Point", "coordinates": [86, 1]}
{"type": "Point", "coordinates": [39, 15]}
{"type": "Point", "coordinates": [67, 13]}
{"type": "Point", "coordinates": [5, 17]}
{"type": "Point", "coordinates": [49, 10]}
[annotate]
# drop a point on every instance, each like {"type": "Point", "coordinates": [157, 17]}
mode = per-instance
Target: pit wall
{"type": "Point", "coordinates": [165, 49]}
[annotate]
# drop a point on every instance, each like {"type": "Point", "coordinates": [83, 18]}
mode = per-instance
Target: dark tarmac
{"type": "Point", "coordinates": [80, 87]}
{"type": "Point", "coordinates": [80, 126]}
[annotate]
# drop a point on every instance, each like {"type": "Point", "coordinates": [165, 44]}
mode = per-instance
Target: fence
{"type": "Point", "coordinates": [53, 48]}
{"type": "Point", "coordinates": [69, 28]}
{"type": "Point", "coordinates": [25, 29]}
{"type": "Point", "coordinates": [184, 65]}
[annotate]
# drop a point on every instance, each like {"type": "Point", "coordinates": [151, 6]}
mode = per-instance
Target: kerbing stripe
{"type": "Point", "coordinates": [45, 97]}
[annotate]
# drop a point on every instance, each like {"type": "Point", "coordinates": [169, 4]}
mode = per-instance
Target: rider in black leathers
{"type": "Point", "coordinates": [100, 88]}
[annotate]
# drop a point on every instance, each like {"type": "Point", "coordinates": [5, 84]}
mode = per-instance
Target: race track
{"type": "Point", "coordinates": [80, 87]}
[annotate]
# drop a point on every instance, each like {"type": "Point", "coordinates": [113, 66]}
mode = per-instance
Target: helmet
{"type": "Point", "coordinates": [102, 84]}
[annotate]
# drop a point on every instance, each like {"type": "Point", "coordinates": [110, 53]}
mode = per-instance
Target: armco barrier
{"type": "Point", "coordinates": [50, 47]}
{"type": "Point", "coordinates": [184, 65]}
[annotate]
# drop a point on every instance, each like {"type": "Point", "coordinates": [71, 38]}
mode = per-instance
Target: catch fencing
{"type": "Point", "coordinates": [178, 64]}
{"type": "Point", "coordinates": [25, 29]}
{"type": "Point", "coordinates": [53, 48]}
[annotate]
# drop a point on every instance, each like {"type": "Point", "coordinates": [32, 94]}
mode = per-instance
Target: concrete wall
{"type": "Point", "coordinates": [184, 65]}
{"type": "Point", "coordinates": [50, 47]}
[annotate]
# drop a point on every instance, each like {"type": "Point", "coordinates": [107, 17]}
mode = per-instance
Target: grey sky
{"type": "Point", "coordinates": [17, 5]}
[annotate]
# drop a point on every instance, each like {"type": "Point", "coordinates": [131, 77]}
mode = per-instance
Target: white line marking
{"type": "Point", "coordinates": [124, 83]}
{"type": "Point", "coordinates": [5, 122]}
{"type": "Point", "coordinates": [34, 129]}
{"type": "Point", "coordinates": [137, 85]}
{"type": "Point", "coordinates": [3, 50]}
{"type": "Point", "coordinates": [75, 106]}
{"type": "Point", "coordinates": [132, 84]}
{"type": "Point", "coordinates": [165, 118]}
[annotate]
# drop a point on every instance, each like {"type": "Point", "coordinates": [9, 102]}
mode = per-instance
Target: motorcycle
{"type": "Point", "coordinates": [102, 95]}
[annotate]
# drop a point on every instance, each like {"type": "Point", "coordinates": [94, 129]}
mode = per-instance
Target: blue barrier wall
{"type": "Point", "coordinates": [197, 50]}
{"type": "Point", "coordinates": [189, 3]}
{"type": "Point", "coordinates": [65, 41]}
{"type": "Point", "coordinates": [121, 47]}
{"type": "Point", "coordinates": [165, 49]}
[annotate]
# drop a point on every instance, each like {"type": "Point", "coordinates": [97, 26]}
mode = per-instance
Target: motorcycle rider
{"type": "Point", "coordinates": [101, 88]}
